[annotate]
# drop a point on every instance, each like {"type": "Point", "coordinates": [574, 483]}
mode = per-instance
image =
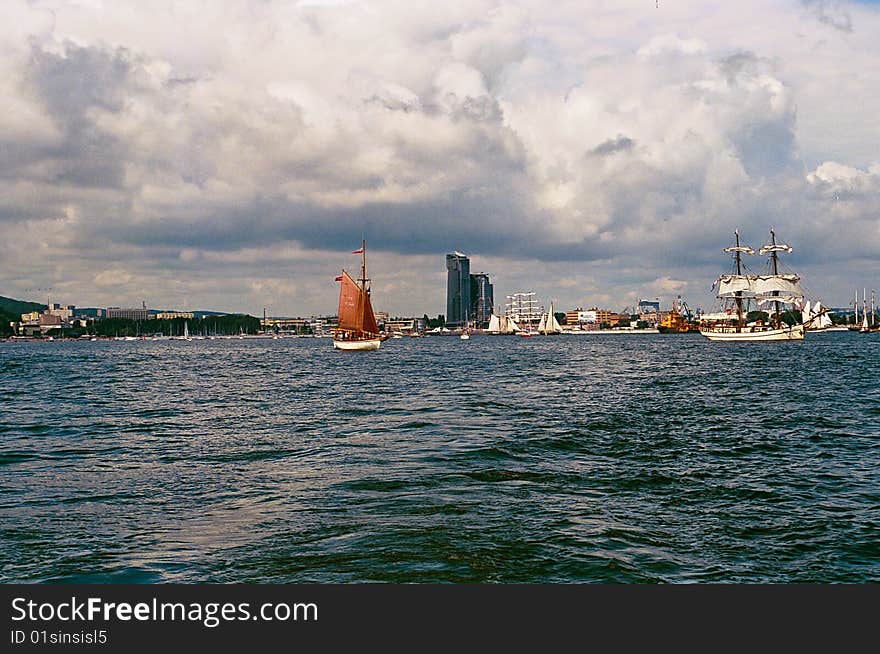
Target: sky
{"type": "Point", "coordinates": [231, 155]}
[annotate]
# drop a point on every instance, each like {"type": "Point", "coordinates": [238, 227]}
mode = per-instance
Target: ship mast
{"type": "Point", "coordinates": [738, 297]}
{"type": "Point", "coordinates": [856, 306]}
{"type": "Point", "coordinates": [362, 301]}
{"type": "Point", "coordinates": [774, 260]}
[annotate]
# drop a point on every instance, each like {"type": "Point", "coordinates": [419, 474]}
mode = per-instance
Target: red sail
{"type": "Point", "coordinates": [350, 307]}
{"type": "Point", "coordinates": [369, 320]}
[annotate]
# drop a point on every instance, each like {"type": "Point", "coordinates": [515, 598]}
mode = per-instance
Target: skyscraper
{"type": "Point", "coordinates": [482, 300]}
{"type": "Point", "coordinates": [458, 289]}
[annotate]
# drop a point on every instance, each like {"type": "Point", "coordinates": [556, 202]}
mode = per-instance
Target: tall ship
{"type": "Point", "coordinates": [742, 293]}
{"type": "Point", "coordinates": [357, 329]}
{"type": "Point", "coordinates": [523, 310]}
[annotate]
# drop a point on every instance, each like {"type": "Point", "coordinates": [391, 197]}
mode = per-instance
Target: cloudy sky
{"type": "Point", "coordinates": [230, 155]}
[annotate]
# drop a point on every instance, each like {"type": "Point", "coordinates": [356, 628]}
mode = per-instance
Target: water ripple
{"type": "Point", "coordinates": [643, 460]}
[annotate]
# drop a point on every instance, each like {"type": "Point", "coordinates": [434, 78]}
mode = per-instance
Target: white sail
{"type": "Point", "coordinates": [736, 285]}
{"type": "Point", "coordinates": [806, 312]}
{"type": "Point", "coordinates": [549, 324]}
{"type": "Point", "coordinates": [502, 325]}
{"type": "Point", "coordinates": [789, 285]}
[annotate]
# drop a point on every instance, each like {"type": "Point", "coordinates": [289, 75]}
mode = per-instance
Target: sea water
{"type": "Point", "coordinates": [626, 459]}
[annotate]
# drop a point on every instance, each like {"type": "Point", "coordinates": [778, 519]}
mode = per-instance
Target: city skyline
{"type": "Point", "coordinates": [229, 157]}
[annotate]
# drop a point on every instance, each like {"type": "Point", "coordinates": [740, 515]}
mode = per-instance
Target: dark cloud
{"type": "Point", "coordinates": [739, 62]}
{"type": "Point", "coordinates": [72, 86]}
{"type": "Point", "coordinates": [831, 13]}
{"type": "Point", "coordinates": [619, 144]}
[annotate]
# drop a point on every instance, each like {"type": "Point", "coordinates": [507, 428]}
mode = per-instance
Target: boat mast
{"type": "Point", "coordinates": [872, 307]}
{"type": "Point", "coordinates": [774, 260]}
{"type": "Point", "coordinates": [856, 306]}
{"type": "Point", "coordinates": [738, 297]}
{"type": "Point", "coordinates": [362, 304]}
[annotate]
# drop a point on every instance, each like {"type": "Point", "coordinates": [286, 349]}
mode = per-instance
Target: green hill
{"type": "Point", "coordinates": [18, 307]}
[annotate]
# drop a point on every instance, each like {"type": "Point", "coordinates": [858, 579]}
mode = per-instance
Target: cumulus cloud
{"type": "Point", "coordinates": [233, 155]}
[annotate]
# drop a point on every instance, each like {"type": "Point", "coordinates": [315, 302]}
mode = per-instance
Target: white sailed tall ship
{"type": "Point", "coordinates": [522, 308]}
{"type": "Point", "coordinates": [773, 293]}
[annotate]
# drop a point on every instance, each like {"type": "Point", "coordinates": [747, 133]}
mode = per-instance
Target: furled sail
{"type": "Point", "coordinates": [775, 247]}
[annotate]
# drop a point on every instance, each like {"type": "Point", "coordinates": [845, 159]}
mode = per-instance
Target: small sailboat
{"type": "Point", "coordinates": [186, 335]}
{"type": "Point", "coordinates": [868, 327]}
{"type": "Point", "coordinates": [739, 288]}
{"type": "Point", "coordinates": [466, 331]}
{"type": "Point", "coordinates": [357, 330]}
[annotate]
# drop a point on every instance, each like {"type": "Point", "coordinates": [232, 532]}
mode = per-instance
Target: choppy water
{"type": "Point", "coordinates": [499, 459]}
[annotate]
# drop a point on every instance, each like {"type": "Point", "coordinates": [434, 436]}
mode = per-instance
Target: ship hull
{"type": "Point", "coordinates": [358, 346]}
{"type": "Point", "coordinates": [793, 333]}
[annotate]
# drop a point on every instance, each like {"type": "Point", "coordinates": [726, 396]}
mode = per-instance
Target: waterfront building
{"type": "Point", "coordinates": [482, 300]}
{"type": "Point", "coordinates": [458, 289]}
{"type": "Point", "coordinates": [581, 317]}
{"type": "Point", "coordinates": [65, 312]}
{"type": "Point", "coordinates": [129, 314]}
{"type": "Point", "coordinates": [171, 315]}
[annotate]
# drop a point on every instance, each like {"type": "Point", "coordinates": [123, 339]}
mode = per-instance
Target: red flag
{"type": "Point", "coordinates": [358, 251]}
{"type": "Point", "coordinates": [338, 279]}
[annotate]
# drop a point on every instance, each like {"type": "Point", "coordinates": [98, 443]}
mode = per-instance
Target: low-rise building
{"type": "Point", "coordinates": [65, 311]}
{"type": "Point", "coordinates": [171, 315]}
{"type": "Point", "coordinates": [129, 314]}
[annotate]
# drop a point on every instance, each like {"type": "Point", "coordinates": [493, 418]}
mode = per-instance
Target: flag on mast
{"type": "Point", "coordinates": [358, 251]}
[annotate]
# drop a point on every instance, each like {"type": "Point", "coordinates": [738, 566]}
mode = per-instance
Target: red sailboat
{"type": "Point", "coordinates": [357, 328]}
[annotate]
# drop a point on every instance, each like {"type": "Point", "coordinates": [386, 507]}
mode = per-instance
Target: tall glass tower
{"type": "Point", "coordinates": [458, 289]}
{"type": "Point", "coordinates": [482, 300]}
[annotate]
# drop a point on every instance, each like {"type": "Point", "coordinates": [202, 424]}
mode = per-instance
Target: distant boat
{"type": "Point", "coordinates": [357, 330]}
{"type": "Point", "coordinates": [502, 325]}
{"type": "Point", "coordinates": [815, 317]}
{"type": "Point", "coordinates": [739, 289]}
{"type": "Point", "coordinates": [466, 332]}
{"type": "Point", "coordinates": [549, 326]}
{"type": "Point", "coordinates": [867, 327]}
